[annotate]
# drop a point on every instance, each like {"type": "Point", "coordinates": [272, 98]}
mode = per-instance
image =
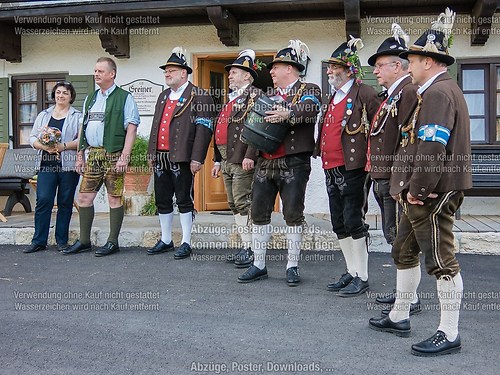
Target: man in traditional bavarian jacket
{"type": "Point", "coordinates": [429, 176]}
{"type": "Point", "coordinates": [178, 144]}
{"type": "Point", "coordinates": [342, 144]}
{"type": "Point", "coordinates": [399, 101]}
{"type": "Point", "coordinates": [108, 132]}
{"type": "Point", "coordinates": [287, 169]}
{"type": "Point", "coordinates": [234, 158]}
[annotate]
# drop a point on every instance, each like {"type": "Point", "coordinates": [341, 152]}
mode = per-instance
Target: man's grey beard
{"type": "Point", "coordinates": [336, 82]}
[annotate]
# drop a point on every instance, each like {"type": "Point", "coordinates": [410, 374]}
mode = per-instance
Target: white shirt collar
{"type": "Point", "coordinates": [286, 89]}
{"type": "Point", "coordinates": [176, 94]}
{"type": "Point", "coordinates": [426, 85]}
{"type": "Point", "coordinates": [396, 84]}
{"type": "Point", "coordinates": [234, 94]}
{"type": "Point", "coordinates": [108, 91]}
{"type": "Point", "coordinates": [342, 92]}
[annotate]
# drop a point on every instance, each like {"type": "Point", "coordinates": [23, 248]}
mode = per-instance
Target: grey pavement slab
{"type": "Point", "coordinates": [131, 313]}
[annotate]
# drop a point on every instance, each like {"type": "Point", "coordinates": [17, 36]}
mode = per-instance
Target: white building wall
{"type": "Point", "coordinates": [77, 54]}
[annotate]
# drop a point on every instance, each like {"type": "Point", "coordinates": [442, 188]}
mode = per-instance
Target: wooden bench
{"type": "Point", "coordinates": [17, 168]}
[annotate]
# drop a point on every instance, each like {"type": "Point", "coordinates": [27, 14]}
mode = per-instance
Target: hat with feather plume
{"type": "Point", "coordinates": [178, 58]}
{"type": "Point", "coordinates": [392, 46]}
{"type": "Point", "coordinates": [435, 41]}
{"type": "Point", "coordinates": [347, 56]}
{"type": "Point", "coordinates": [245, 61]}
{"type": "Point", "coordinates": [296, 54]}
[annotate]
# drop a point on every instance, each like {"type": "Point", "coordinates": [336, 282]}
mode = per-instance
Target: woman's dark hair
{"type": "Point", "coordinates": [67, 86]}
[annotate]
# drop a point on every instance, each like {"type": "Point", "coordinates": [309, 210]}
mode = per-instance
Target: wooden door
{"type": "Point", "coordinates": [212, 194]}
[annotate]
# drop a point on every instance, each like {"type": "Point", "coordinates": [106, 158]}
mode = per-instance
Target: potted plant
{"type": "Point", "coordinates": [138, 173]}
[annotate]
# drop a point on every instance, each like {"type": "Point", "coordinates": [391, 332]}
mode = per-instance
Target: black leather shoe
{"type": "Point", "coordinates": [76, 248]}
{"type": "Point", "coordinates": [355, 288]}
{"type": "Point", "coordinates": [385, 324]}
{"type": "Point", "coordinates": [388, 299]}
{"type": "Point", "coordinates": [34, 248]}
{"type": "Point", "coordinates": [436, 345]}
{"type": "Point", "coordinates": [107, 249]}
{"type": "Point", "coordinates": [62, 247]}
{"type": "Point", "coordinates": [293, 276]}
{"type": "Point", "coordinates": [244, 258]}
{"type": "Point", "coordinates": [253, 274]}
{"type": "Point", "coordinates": [183, 251]}
{"type": "Point", "coordinates": [344, 280]}
{"type": "Point", "coordinates": [161, 247]}
{"type": "Point", "coordinates": [415, 308]}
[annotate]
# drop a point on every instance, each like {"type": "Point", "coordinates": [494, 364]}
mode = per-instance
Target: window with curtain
{"type": "Point", "coordinates": [480, 83]}
{"type": "Point", "coordinates": [31, 96]}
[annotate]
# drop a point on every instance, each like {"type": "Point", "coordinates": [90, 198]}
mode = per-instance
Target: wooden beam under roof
{"type": "Point", "coordinates": [228, 28]}
{"type": "Point", "coordinates": [352, 10]}
{"type": "Point", "coordinates": [482, 15]}
{"type": "Point", "coordinates": [10, 44]}
{"type": "Point", "coordinates": [114, 36]}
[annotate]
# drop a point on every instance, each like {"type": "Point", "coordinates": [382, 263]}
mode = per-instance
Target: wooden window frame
{"type": "Point", "coordinates": [490, 66]}
{"type": "Point", "coordinates": [41, 101]}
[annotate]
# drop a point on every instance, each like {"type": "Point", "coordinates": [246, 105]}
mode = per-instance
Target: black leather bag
{"type": "Point", "coordinates": [262, 135]}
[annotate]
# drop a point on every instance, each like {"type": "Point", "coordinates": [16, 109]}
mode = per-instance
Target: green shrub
{"type": "Point", "coordinates": [139, 154]}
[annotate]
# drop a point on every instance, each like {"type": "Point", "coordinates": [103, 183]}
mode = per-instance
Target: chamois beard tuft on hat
{"type": "Point", "coordinates": [247, 52]}
{"type": "Point", "coordinates": [357, 43]}
{"type": "Point", "coordinates": [300, 48]}
{"type": "Point", "coordinates": [179, 51]}
{"type": "Point", "coordinates": [398, 32]}
{"type": "Point", "coordinates": [444, 24]}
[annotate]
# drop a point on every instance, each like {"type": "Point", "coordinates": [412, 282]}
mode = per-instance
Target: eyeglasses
{"type": "Point", "coordinates": [378, 66]}
{"type": "Point", "coordinates": [171, 71]}
{"type": "Point", "coordinates": [334, 67]}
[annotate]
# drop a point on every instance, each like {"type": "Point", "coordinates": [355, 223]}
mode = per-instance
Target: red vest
{"type": "Point", "coordinates": [164, 130]}
{"type": "Point", "coordinates": [332, 154]}
{"type": "Point", "coordinates": [222, 124]}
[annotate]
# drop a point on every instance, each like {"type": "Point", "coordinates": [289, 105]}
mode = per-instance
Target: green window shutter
{"type": "Point", "coordinates": [4, 110]}
{"type": "Point", "coordinates": [370, 78]}
{"type": "Point", "coordinates": [453, 71]}
{"type": "Point", "coordinates": [83, 85]}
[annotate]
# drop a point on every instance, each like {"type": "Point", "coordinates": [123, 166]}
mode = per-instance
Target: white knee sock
{"type": "Point", "coordinates": [261, 234]}
{"type": "Point", "coordinates": [186, 225]}
{"type": "Point", "coordinates": [166, 227]}
{"type": "Point", "coordinates": [450, 296]}
{"type": "Point", "coordinates": [294, 241]}
{"type": "Point", "coordinates": [346, 247]}
{"type": "Point", "coordinates": [360, 255]}
{"type": "Point", "coordinates": [244, 229]}
{"type": "Point", "coordinates": [406, 290]}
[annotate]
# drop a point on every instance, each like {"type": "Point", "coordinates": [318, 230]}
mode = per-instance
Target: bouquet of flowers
{"type": "Point", "coordinates": [50, 136]}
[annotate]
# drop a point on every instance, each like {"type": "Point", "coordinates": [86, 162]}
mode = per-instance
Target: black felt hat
{"type": "Point", "coordinates": [177, 58]}
{"type": "Point", "coordinates": [392, 46]}
{"type": "Point", "coordinates": [296, 54]}
{"type": "Point", "coordinates": [245, 61]}
{"type": "Point", "coordinates": [436, 41]}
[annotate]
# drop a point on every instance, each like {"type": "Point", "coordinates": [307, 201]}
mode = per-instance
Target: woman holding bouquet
{"type": "Point", "coordinates": [54, 134]}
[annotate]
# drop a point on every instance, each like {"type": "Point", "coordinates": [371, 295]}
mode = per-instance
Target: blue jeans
{"type": "Point", "coordinates": [47, 185]}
